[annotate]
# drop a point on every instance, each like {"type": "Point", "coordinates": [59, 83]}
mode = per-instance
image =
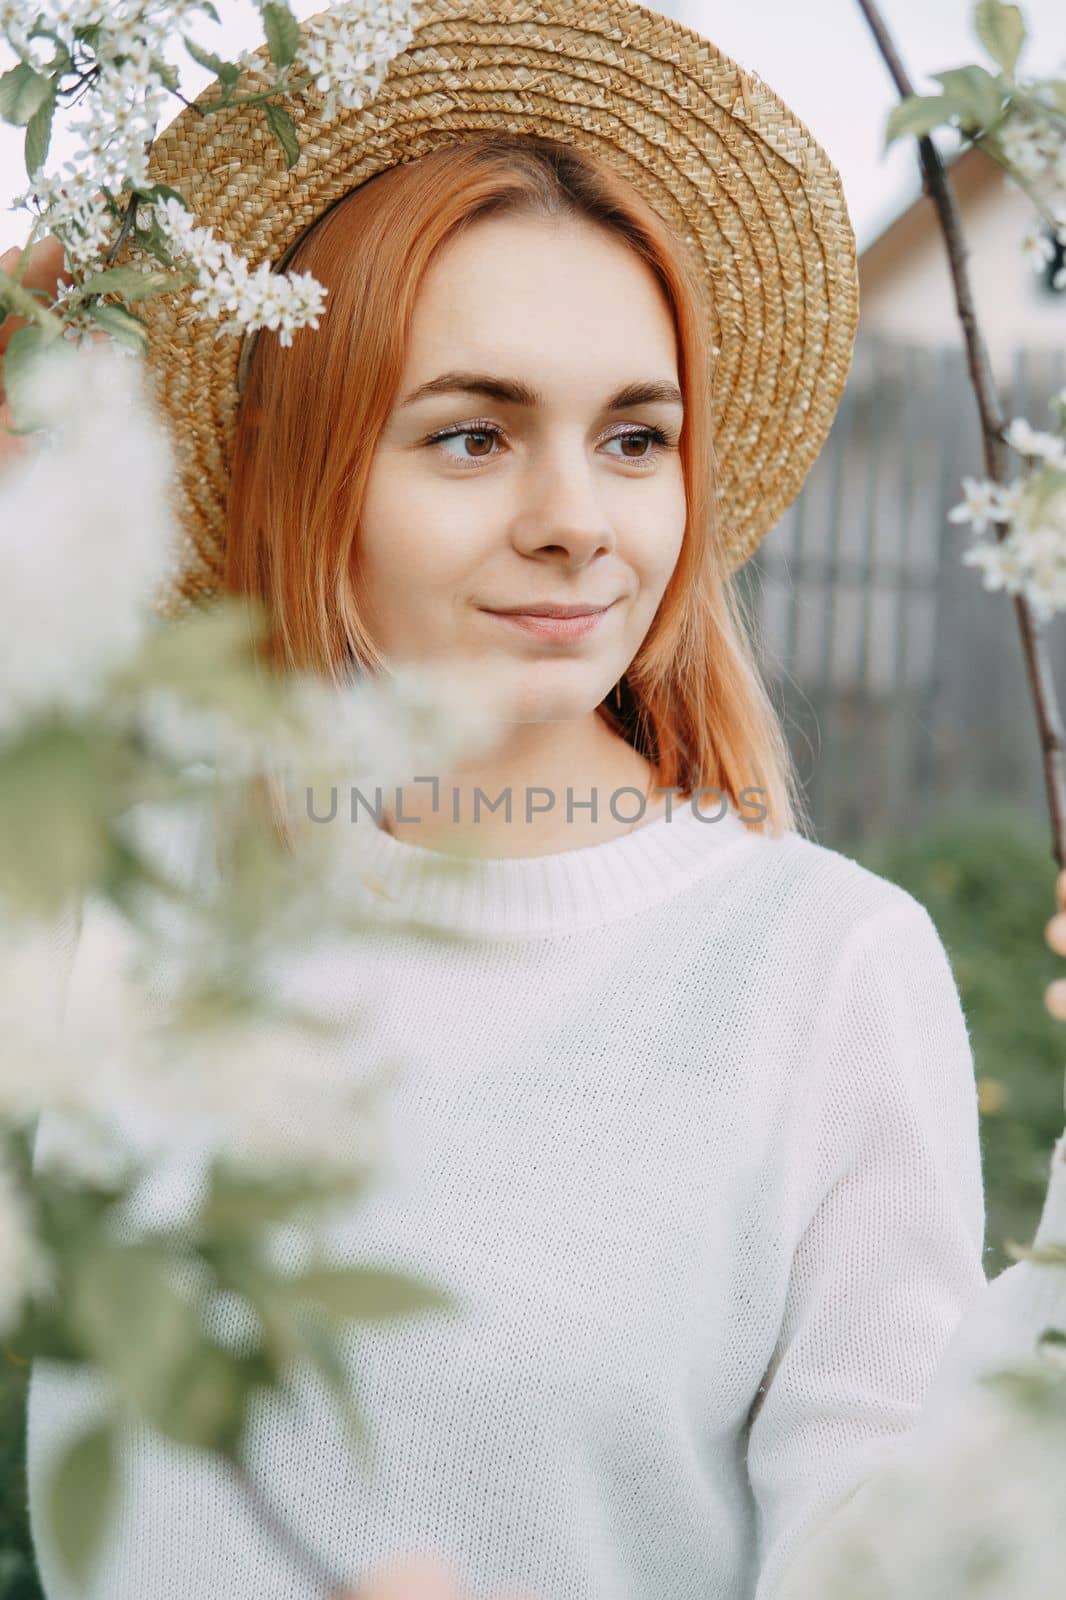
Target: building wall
{"type": "Point", "coordinates": [905, 282]}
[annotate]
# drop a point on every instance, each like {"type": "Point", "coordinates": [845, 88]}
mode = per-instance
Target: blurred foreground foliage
{"type": "Point", "coordinates": [986, 875]}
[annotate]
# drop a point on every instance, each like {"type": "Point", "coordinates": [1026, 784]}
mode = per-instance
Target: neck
{"type": "Point", "coordinates": [551, 771]}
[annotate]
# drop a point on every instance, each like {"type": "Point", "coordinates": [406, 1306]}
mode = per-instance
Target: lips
{"type": "Point", "coordinates": [560, 630]}
{"type": "Point", "coordinates": [547, 609]}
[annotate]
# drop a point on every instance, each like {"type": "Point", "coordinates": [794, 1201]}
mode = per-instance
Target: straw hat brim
{"type": "Point", "coordinates": [709, 145]}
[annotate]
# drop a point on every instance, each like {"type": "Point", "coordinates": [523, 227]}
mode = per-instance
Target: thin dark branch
{"type": "Point", "coordinates": [319, 1574]}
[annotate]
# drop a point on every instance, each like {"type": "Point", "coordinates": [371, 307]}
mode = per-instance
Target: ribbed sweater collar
{"type": "Point", "coordinates": [529, 896]}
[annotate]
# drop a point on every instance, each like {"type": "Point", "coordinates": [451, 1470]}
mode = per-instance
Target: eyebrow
{"type": "Point", "coordinates": [513, 392]}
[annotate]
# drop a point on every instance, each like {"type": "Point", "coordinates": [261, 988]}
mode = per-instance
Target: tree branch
{"type": "Point", "coordinates": [1041, 683]}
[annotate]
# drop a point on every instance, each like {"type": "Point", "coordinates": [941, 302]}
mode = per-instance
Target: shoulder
{"type": "Point", "coordinates": [824, 905]}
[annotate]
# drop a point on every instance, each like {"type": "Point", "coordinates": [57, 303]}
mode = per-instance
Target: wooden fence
{"type": "Point", "coordinates": [899, 677]}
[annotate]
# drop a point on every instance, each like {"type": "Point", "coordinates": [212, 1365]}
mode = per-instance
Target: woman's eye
{"type": "Point", "coordinates": [482, 436]}
{"type": "Point", "coordinates": [649, 443]}
{"type": "Point", "coordinates": [651, 438]}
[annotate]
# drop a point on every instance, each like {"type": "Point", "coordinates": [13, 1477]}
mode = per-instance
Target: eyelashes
{"type": "Point", "coordinates": [660, 440]}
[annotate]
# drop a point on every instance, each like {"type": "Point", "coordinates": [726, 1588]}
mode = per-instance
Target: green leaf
{"type": "Point", "coordinates": [122, 324]}
{"type": "Point", "coordinates": [148, 1335]}
{"type": "Point", "coordinates": [283, 128]}
{"type": "Point", "coordinates": [366, 1294]}
{"type": "Point", "coordinates": [979, 95]}
{"type": "Point", "coordinates": [133, 1320]}
{"type": "Point", "coordinates": [22, 91]}
{"type": "Point", "coordinates": [226, 71]}
{"type": "Point", "coordinates": [24, 347]}
{"type": "Point", "coordinates": [1001, 29]}
{"type": "Point", "coordinates": [282, 34]}
{"type": "Point", "coordinates": [167, 72]}
{"type": "Point", "coordinates": [919, 114]}
{"type": "Point", "coordinates": [153, 192]}
{"type": "Point", "coordinates": [236, 1206]}
{"type": "Point", "coordinates": [205, 1400]}
{"type": "Point", "coordinates": [39, 134]}
{"type": "Point", "coordinates": [318, 1346]}
{"type": "Point", "coordinates": [81, 1495]}
{"type": "Point", "coordinates": [129, 282]}
{"type": "Point", "coordinates": [192, 652]}
{"type": "Point", "coordinates": [58, 791]}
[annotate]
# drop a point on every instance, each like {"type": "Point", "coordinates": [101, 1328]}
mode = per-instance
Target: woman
{"type": "Point", "coordinates": [689, 1124]}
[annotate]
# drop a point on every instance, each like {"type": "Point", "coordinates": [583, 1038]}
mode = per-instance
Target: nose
{"type": "Point", "coordinates": [562, 515]}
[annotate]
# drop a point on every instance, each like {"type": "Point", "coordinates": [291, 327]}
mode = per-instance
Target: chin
{"type": "Point", "coordinates": [537, 704]}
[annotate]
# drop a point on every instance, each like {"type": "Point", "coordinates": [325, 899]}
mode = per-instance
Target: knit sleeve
{"type": "Point", "coordinates": [888, 1317]}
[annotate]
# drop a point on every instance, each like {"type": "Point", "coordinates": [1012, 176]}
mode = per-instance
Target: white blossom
{"type": "Point", "coordinates": [1000, 562]}
{"type": "Point", "coordinates": [1024, 142]}
{"type": "Point", "coordinates": [124, 1084]}
{"type": "Point", "coordinates": [979, 507]}
{"type": "Point", "coordinates": [227, 286]}
{"type": "Point", "coordinates": [1029, 561]}
{"type": "Point", "coordinates": [347, 49]}
{"type": "Point", "coordinates": [979, 1513]}
{"type": "Point", "coordinates": [346, 53]}
{"type": "Point", "coordinates": [376, 729]}
{"type": "Point", "coordinates": [85, 532]}
{"type": "Point", "coordinates": [1029, 441]}
{"type": "Point", "coordinates": [1037, 249]}
{"type": "Point", "coordinates": [72, 209]}
{"type": "Point", "coordinates": [1010, 499]}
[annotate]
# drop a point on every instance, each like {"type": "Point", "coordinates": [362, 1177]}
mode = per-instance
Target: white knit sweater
{"type": "Point", "coordinates": [690, 1127]}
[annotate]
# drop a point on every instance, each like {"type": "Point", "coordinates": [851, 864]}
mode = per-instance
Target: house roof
{"type": "Point", "coordinates": [970, 171]}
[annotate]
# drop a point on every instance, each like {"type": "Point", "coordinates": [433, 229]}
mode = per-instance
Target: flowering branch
{"type": "Point", "coordinates": [976, 101]}
{"type": "Point", "coordinates": [104, 712]}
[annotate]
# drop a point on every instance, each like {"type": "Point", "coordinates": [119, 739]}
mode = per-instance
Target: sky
{"type": "Point", "coordinates": [817, 55]}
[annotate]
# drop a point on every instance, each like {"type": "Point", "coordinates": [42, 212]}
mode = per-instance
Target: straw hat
{"type": "Point", "coordinates": [714, 150]}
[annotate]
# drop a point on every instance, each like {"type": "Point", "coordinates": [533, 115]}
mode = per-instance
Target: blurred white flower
{"type": "Point", "coordinates": [978, 1514]}
{"type": "Point", "coordinates": [1029, 441]}
{"type": "Point", "coordinates": [985, 502]}
{"type": "Point", "coordinates": [1024, 139]}
{"type": "Point", "coordinates": [119, 1081]}
{"type": "Point", "coordinates": [1037, 248]}
{"type": "Point", "coordinates": [372, 730]}
{"type": "Point", "coordinates": [1010, 499]}
{"type": "Point", "coordinates": [1000, 563]}
{"type": "Point", "coordinates": [1029, 561]}
{"type": "Point", "coordinates": [85, 532]}
{"type": "Point", "coordinates": [979, 506]}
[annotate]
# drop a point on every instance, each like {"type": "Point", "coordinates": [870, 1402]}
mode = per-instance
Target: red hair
{"type": "Point", "coordinates": [311, 414]}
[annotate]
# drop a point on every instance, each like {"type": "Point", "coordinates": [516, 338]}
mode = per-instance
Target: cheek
{"type": "Point", "coordinates": [416, 559]}
{"type": "Point", "coordinates": [659, 536]}
{"type": "Point", "coordinates": [400, 540]}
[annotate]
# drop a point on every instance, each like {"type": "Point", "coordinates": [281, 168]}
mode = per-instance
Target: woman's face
{"type": "Point", "coordinates": [552, 487]}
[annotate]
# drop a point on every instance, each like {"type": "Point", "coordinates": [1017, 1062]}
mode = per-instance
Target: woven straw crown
{"type": "Point", "coordinates": [717, 154]}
